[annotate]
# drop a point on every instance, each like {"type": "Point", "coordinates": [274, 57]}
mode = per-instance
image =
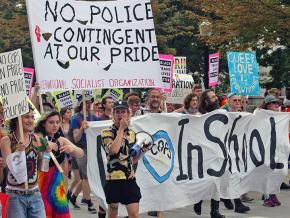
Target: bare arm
{"type": "Point", "coordinates": [77, 133]}
{"type": "Point", "coordinates": [5, 148]}
{"type": "Point", "coordinates": [35, 96]}
{"type": "Point", "coordinates": [116, 144]}
{"type": "Point", "coordinates": [68, 147]}
{"type": "Point", "coordinates": [2, 166]}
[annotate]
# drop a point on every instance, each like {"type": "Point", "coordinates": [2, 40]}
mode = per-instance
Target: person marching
{"type": "Point", "coordinates": [24, 202]}
{"type": "Point", "coordinates": [121, 186]}
{"type": "Point", "coordinates": [51, 182]}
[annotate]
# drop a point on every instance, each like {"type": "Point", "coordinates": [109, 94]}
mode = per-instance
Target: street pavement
{"type": "Point", "coordinates": [257, 210]}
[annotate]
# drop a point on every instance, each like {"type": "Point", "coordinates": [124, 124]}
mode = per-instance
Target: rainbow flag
{"type": "Point", "coordinates": [52, 187]}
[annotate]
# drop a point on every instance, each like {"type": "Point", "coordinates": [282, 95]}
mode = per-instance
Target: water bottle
{"type": "Point", "coordinates": [45, 162]}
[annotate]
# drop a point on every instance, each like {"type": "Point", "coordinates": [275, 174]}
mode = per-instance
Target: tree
{"type": "Point", "coordinates": [257, 25]}
{"type": "Point", "coordinates": [14, 32]}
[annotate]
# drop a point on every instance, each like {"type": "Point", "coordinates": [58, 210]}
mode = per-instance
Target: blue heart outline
{"type": "Point", "coordinates": [155, 137]}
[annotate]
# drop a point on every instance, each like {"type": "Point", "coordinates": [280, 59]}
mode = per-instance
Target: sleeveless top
{"type": "Point", "coordinates": [59, 156]}
{"type": "Point", "coordinates": [31, 153]}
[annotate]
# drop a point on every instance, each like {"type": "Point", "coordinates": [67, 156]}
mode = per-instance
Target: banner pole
{"type": "Point", "coordinates": [33, 54]}
{"type": "Point", "coordinates": [56, 162]}
{"type": "Point", "coordinates": [84, 105]}
{"type": "Point", "coordinates": [40, 102]}
{"type": "Point", "coordinates": [164, 101]}
{"type": "Point", "coordinates": [22, 141]}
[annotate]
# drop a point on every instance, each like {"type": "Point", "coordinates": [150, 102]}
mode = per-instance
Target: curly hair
{"type": "Point", "coordinates": [187, 100]}
{"type": "Point", "coordinates": [203, 101]}
{"type": "Point", "coordinates": [40, 125]}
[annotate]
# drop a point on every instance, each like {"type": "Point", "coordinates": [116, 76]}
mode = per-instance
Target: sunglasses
{"type": "Point", "coordinates": [237, 100]}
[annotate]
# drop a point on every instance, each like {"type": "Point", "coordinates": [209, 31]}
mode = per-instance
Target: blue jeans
{"type": "Point", "coordinates": [25, 206]}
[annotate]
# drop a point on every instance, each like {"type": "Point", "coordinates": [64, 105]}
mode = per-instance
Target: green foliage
{"type": "Point", "coordinates": [234, 26]}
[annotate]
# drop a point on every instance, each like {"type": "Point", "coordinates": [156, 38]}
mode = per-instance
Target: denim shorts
{"type": "Point", "coordinates": [26, 206]}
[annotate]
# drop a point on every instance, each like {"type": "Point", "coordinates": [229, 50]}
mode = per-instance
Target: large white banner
{"type": "Point", "coordinates": [88, 45]}
{"type": "Point", "coordinates": [219, 154]}
{"type": "Point", "coordinates": [12, 84]}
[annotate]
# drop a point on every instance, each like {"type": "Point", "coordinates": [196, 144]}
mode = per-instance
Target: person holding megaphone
{"type": "Point", "coordinates": [123, 148]}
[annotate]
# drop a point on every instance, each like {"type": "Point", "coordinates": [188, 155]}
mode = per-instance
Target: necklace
{"type": "Point", "coordinates": [18, 142]}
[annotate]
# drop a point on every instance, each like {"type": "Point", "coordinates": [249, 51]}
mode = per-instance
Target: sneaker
{"type": "Point", "coordinates": [152, 213]}
{"type": "Point", "coordinates": [241, 209]}
{"type": "Point", "coordinates": [268, 203]}
{"type": "Point", "coordinates": [246, 198]}
{"type": "Point", "coordinates": [92, 210]}
{"type": "Point", "coordinates": [84, 201]}
{"type": "Point", "coordinates": [73, 201]}
{"type": "Point", "coordinates": [216, 214]}
{"type": "Point", "coordinates": [275, 200]}
{"type": "Point", "coordinates": [228, 203]}
{"type": "Point", "coordinates": [284, 186]}
{"type": "Point", "coordinates": [101, 215]}
{"type": "Point", "coordinates": [197, 208]}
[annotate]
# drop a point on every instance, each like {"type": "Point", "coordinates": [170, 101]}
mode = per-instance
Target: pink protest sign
{"type": "Point", "coordinates": [213, 69]}
{"type": "Point", "coordinates": [28, 77]}
{"type": "Point", "coordinates": [166, 67]}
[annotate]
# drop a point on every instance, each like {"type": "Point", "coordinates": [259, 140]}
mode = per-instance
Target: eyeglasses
{"type": "Point", "coordinates": [237, 100]}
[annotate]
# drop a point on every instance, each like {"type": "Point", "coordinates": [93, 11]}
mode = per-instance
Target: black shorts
{"type": "Point", "coordinates": [122, 191]}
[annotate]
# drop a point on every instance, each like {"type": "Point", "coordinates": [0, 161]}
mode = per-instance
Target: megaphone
{"type": "Point", "coordinates": [143, 139]}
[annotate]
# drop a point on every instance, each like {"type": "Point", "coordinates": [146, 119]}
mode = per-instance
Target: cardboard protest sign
{"type": "Point", "coordinates": [116, 94]}
{"type": "Point", "coordinates": [16, 163]}
{"type": "Point", "coordinates": [182, 85]}
{"type": "Point", "coordinates": [193, 158]}
{"type": "Point", "coordinates": [81, 45]}
{"type": "Point", "coordinates": [12, 84]}
{"type": "Point", "coordinates": [213, 69]}
{"type": "Point", "coordinates": [97, 94]}
{"type": "Point", "coordinates": [180, 65]}
{"type": "Point", "coordinates": [167, 68]}
{"type": "Point", "coordinates": [78, 94]}
{"type": "Point", "coordinates": [63, 99]}
{"type": "Point", "coordinates": [28, 76]}
{"type": "Point", "coordinates": [243, 70]}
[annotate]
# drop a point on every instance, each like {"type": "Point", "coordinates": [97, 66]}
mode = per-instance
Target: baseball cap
{"type": "Point", "coordinates": [120, 104]}
{"type": "Point", "coordinates": [231, 95]}
{"type": "Point", "coordinates": [270, 99]}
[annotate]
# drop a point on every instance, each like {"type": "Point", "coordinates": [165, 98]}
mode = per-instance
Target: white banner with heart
{"type": "Point", "coordinates": [219, 154]}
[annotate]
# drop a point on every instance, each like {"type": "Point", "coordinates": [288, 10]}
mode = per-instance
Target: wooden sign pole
{"type": "Point", "coordinates": [22, 141]}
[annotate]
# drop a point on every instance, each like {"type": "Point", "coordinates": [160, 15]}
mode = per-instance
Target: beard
{"type": "Point", "coordinates": [212, 106]}
{"type": "Point", "coordinates": [155, 105]}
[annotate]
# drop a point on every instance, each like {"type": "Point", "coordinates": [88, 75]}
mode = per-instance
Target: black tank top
{"type": "Point", "coordinates": [59, 156]}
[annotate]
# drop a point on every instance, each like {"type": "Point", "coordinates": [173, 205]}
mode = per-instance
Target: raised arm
{"type": "Point", "coordinates": [68, 147]}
